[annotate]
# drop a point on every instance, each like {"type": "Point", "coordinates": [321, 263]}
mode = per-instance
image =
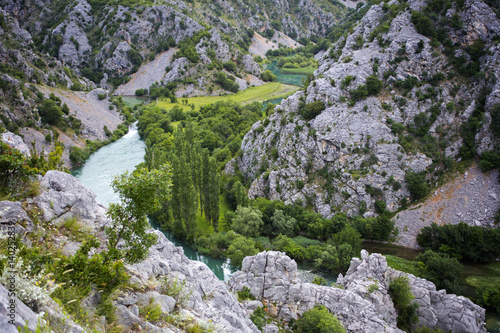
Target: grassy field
{"type": "Point", "coordinates": [253, 94]}
{"type": "Point", "coordinates": [305, 70]}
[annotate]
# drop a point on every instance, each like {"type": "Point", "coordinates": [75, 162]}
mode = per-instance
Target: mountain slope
{"type": "Point", "coordinates": [381, 111]}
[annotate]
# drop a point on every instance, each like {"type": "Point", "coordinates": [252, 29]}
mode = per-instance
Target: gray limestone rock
{"type": "Point", "coordinates": [64, 196]}
{"type": "Point", "coordinates": [362, 304]}
{"type": "Point", "coordinates": [13, 218]}
{"type": "Point", "coordinates": [250, 65]}
{"type": "Point", "coordinates": [16, 142]}
{"type": "Point", "coordinates": [15, 311]}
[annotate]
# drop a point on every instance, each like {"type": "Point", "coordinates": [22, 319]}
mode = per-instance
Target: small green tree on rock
{"type": "Point", "coordinates": [142, 192]}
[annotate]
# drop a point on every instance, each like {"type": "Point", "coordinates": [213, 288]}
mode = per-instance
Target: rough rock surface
{"type": "Point", "coordinates": [271, 277]}
{"type": "Point", "coordinates": [22, 314]}
{"type": "Point", "coordinates": [472, 197]}
{"type": "Point", "coordinates": [149, 73]}
{"type": "Point", "coordinates": [16, 142]}
{"type": "Point", "coordinates": [207, 298]}
{"type": "Point", "coordinates": [349, 147]}
{"type": "Point", "coordinates": [63, 197]}
{"type": "Point", "coordinates": [448, 312]}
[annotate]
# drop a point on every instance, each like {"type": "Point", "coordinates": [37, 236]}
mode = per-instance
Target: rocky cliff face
{"type": "Point", "coordinates": [271, 278]}
{"type": "Point", "coordinates": [352, 151]}
{"type": "Point", "coordinates": [63, 197]}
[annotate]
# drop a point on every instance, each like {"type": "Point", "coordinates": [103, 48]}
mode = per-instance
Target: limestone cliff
{"type": "Point", "coordinates": [357, 150]}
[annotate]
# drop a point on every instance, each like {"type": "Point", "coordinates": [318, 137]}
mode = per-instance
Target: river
{"type": "Point", "coordinates": [124, 155]}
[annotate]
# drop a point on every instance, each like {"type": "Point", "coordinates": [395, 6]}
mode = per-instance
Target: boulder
{"type": "Point", "coordinates": [16, 142]}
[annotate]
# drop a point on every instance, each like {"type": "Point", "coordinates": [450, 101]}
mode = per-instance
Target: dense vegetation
{"type": "Point", "coordinates": [212, 211]}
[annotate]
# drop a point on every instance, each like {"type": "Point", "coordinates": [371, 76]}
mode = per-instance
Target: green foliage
{"type": "Point", "coordinates": [417, 185]}
{"type": "Point", "coordinates": [227, 83]}
{"type": "Point", "coordinates": [319, 281]}
{"type": "Point", "coordinates": [336, 259]}
{"type": "Point", "coordinates": [489, 160]}
{"type": "Point", "coordinates": [311, 110]}
{"type": "Point", "coordinates": [50, 112]}
{"type": "Point", "coordinates": [247, 221]}
{"type": "Point", "coordinates": [141, 92]}
{"type": "Point", "coordinates": [142, 192]}
{"type": "Point", "coordinates": [151, 312]}
{"type": "Point", "coordinates": [244, 294]}
{"type": "Point", "coordinates": [318, 320]}
{"type": "Point", "coordinates": [268, 76]}
{"type": "Point", "coordinates": [489, 296]}
{"type": "Point", "coordinates": [15, 170]}
{"type": "Point", "coordinates": [439, 268]}
{"type": "Point", "coordinates": [401, 295]}
{"type": "Point", "coordinates": [240, 248]}
{"type": "Point", "coordinates": [470, 243]}
{"type": "Point", "coordinates": [371, 88]}
{"type": "Point", "coordinates": [258, 317]}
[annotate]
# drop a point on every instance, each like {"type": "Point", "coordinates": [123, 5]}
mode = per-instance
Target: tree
{"type": "Point", "coordinates": [401, 295]}
{"type": "Point", "coordinates": [141, 192]}
{"type": "Point", "coordinates": [417, 185]}
{"type": "Point", "coordinates": [214, 192]}
{"type": "Point", "coordinates": [247, 221]}
{"type": "Point", "coordinates": [50, 112]}
{"type": "Point", "coordinates": [335, 259]}
{"type": "Point", "coordinates": [283, 224]}
{"type": "Point", "coordinates": [439, 268]}
{"type": "Point", "coordinates": [268, 76]}
{"type": "Point", "coordinates": [318, 320]}
{"type": "Point", "coordinates": [240, 248]}
{"type": "Point", "coordinates": [350, 236]}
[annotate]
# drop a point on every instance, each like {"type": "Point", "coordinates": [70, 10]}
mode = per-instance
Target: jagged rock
{"type": "Point", "coordinates": [16, 142]}
{"type": "Point", "coordinates": [13, 215]}
{"type": "Point", "coordinates": [119, 60]}
{"type": "Point", "coordinates": [270, 328]}
{"type": "Point", "coordinates": [167, 303]}
{"type": "Point", "coordinates": [64, 197]}
{"type": "Point", "coordinates": [271, 277]}
{"type": "Point", "coordinates": [125, 317]}
{"type": "Point", "coordinates": [250, 65]}
{"type": "Point", "coordinates": [210, 298]}
{"type": "Point", "coordinates": [355, 142]}
{"type": "Point", "coordinates": [176, 71]}
{"type": "Point", "coordinates": [15, 311]}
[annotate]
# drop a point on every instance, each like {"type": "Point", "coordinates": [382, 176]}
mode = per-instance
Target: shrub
{"type": "Point", "coordinates": [311, 110]}
{"type": "Point", "coordinates": [245, 294]}
{"type": "Point", "coordinates": [439, 268]}
{"type": "Point", "coordinates": [469, 243]}
{"type": "Point", "coordinates": [258, 317]}
{"type": "Point", "coordinates": [401, 295]}
{"type": "Point", "coordinates": [417, 185]}
{"type": "Point", "coordinates": [141, 92]}
{"type": "Point", "coordinates": [318, 320]}
{"type": "Point", "coordinates": [489, 295]}
{"type": "Point", "coordinates": [268, 76]}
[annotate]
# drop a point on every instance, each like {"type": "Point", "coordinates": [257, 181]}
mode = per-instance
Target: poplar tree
{"type": "Point", "coordinates": [188, 202]}
{"type": "Point", "coordinates": [214, 191]}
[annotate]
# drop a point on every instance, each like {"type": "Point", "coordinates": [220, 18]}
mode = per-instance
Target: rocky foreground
{"type": "Point", "coordinates": [270, 276]}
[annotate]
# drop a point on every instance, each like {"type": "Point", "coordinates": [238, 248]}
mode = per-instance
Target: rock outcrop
{"type": "Point", "coordinates": [204, 297]}
{"type": "Point", "coordinates": [271, 278]}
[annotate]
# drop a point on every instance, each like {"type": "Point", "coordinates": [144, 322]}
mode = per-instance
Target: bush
{"type": "Point", "coordinates": [489, 295]}
{"type": "Point", "coordinates": [318, 320]}
{"type": "Point", "coordinates": [141, 92]}
{"type": "Point", "coordinates": [444, 271]}
{"type": "Point", "coordinates": [311, 110]}
{"type": "Point", "coordinates": [468, 243]}
{"type": "Point", "coordinates": [417, 185]}
{"type": "Point", "coordinates": [268, 76]}
{"type": "Point", "coordinates": [401, 295]}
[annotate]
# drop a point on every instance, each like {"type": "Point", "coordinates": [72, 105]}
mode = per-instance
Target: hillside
{"type": "Point", "coordinates": [391, 102]}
